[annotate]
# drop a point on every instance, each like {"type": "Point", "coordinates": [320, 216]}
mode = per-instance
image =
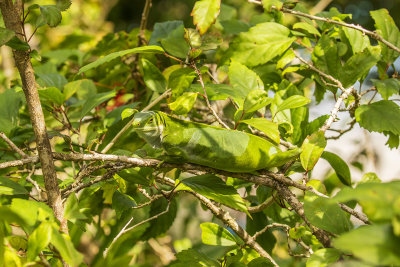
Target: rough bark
{"type": "Point", "coordinates": [12, 19]}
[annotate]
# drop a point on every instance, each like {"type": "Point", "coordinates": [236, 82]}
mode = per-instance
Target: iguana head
{"type": "Point", "coordinates": [149, 126]}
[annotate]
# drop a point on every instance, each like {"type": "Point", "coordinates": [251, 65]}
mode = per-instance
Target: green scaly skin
{"type": "Point", "coordinates": [215, 147]}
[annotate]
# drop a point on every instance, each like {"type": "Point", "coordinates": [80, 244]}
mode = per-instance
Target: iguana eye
{"type": "Point", "coordinates": [151, 120]}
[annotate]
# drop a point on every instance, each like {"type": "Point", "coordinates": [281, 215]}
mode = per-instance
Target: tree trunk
{"type": "Point", "coordinates": [12, 19]}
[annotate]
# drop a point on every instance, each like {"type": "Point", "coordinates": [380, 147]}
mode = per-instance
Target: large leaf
{"type": "Point", "coordinates": [153, 49]}
{"type": "Point", "coordinates": [243, 79]}
{"type": "Point", "coordinates": [339, 166]}
{"type": "Point", "coordinates": [312, 148]}
{"type": "Point", "coordinates": [213, 234]}
{"type": "Point", "coordinates": [83, 88]}
{"type": "Point", "coordinates": [153, 77]}
{"type": "Point", "coordinates": [376, 199]}
{"type": "Point", "coordinates": [255, 100]}
{"type": "Point", "coordinates": [51, 80]}
{"type": "Point", "coordinates": [204, 13]}
{"type": "Point", "coordinates": [53, 95]}
{"type": "Point", "coordinates": [39, 240]}
{"type": "Point", "coordinates": [387, 87]}
{"type": "Point", "coordinates": [51, 15]}
{"type": "Point", "coordinates": [214, 188]}
{"type": "Point", "coordinates": [192, 257]}
{"type": "Point", "coordinates": [96, 100]}
{"type": "Point", "coordinates": [63, 244]}
{"type": "Point", "coordinates": [261, 43]}
{"type": "Point", "coordinates": [357, 40]}
{"type": "Point", "coordinates": [325, 213]}
{"type": "Point", "coordinates": [390, 32]}
{"type": "Point", "coordinates": [293, 101]}
{"type": "Point", "coordinates": [380, 116]}
{"type": "Point", "coordinates": [5, 35]}
{"type": "Point", "coordinates": [9, 187]}
{"type": "Point", "coordinates": [183, 104]}
{"type": "Point", "coordinates": [375, 244]}
{"type": "Point", "coordinates": [163, 222]}
{"type": "Point", "coordinates": [175, 43]}
{"type": "Point", "coordinates": [180, 80]}
{"type": "Point", "coordinates": [161, 30]}
{"type": "Point", "coordinates": [10, 102]}
{"type": "Point", "coordinates": [71, 210]}
{"type": "Point", "coordinates": [266, 126]}
{"type": "Point", "coordinates": [358, 65]}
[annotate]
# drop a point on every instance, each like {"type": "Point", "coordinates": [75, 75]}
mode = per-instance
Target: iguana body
{"type": "Point", "coordinates": [215, 147]}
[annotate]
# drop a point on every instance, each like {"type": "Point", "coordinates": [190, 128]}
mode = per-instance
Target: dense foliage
{"type": "Point", "coordinates": [88, 191]}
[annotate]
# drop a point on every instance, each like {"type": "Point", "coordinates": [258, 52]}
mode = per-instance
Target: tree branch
{"type": "Point", "coordinates": [12, 145]}
{"type": "Point", "coordinates": [227, 219]}
{"type": "Point", "coordinates": [12, 19]}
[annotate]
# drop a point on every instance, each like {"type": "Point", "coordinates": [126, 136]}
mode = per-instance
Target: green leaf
{"type": "Point", "coordinates": [234, 26]}
{"type": "Point", "coordinates": [376, 199]}
{"type": "Point", "coordinates": [35, 55]}
{"type": "Point", "coordinates": [175, 43]}
{"type": "Point", "coordinates": [161, 30]}
{"type": "Point", "coordinates": [286, 58]}
{"type": "Point", "coordinates": [255, 100]}
{"type": "Point", "coordinates": [64, 4]}
{"type": "Point", "coordinates": [213, 234]}
{"type": "Point", "coordinates": [357, 40]}
{"type": "Point", "coordinates": [71, 210]}
{"type": "Point", "coordinates": [306, 27]}
{"type": "Point", "coordinates": [9, 187]}
{"type": "Point", "coordinates": [370, 177]}
{"type": "Point", "coordinates": [193, 256]}
{"type": "Point", "coordinates": [183, 104]}
{"type": "Point", "coordinates": [5, 35]}
{"type": "Point", "coordinates": [17, 44]}
{"type": "Point", "coordinates": [358, 65]}
{"type": "Point", "coordinates": [152, 49]}
{"type": "Point", "coordinates": [128, 112]}
{"type": "Point", "coordinates": [380, 116]}
{"type": "Point", "coordinates": [10, 102]}
{"type": "Point", "coordinates": [218, 91]}
{"type": "Point", "coordinates": [375, 244]}
{"type": "Point", "coordinates": [51, 15]}
{"type": "Point", "coordinates": [96, 100]}
{"type": "Point", "coordinates": [325, 213]}
{"type": "Point", "coordinates": [261, 43]}
{"type": "Point", "coordinates": [390, 32]}
{"type": "Point", "coordinates": [39, 240]}
{"type": "Point", "coordinates": [122, 202]}
{"type": "Point", "coordinates": [323, 257]}
{"type": "Point", "coordinates": [204, 13]}
{"type": "Point", "coordinates": [312, 149]}
{"type": "Point", "coordinates": [387, 87]}
{"type": "Point", "coordinates": [316, 124]}
{"type": "Point", "coordinates": [32, 212]}
{"type": "Point", "coordinates": [266, 126]}
{"type": "Point", "coordinates": [293, 101]}
{"type": "Point", "coordinates": [51, 80]}
{"type": "Point", "coordinates": [214, 188]}
{"type": "Point", "coordinates": [339, 166]}
{"type": "Point", "coordinates": [83, 88]}
{"type": "Point", "coordinates": [163, 222]}
{"type": "Point", "coordinates": [67, 250]}
{"type": "Point", "coordinates": [243, 79]}
{"type": "Point", "coordinates": [180, 80]}
{"type": "Point", "coordinates": [53, 95]}
{"type": "Point", "coordinates": [153, 77]}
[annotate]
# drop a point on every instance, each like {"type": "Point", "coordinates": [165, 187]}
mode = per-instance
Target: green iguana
{"type": "Point", "coordinates": [215, 147]}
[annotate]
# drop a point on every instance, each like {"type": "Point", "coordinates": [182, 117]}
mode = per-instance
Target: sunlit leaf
{"type": "Point", "coordinates": [205, 13]}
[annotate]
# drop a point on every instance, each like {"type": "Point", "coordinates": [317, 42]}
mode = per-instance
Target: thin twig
{"type": "Point", "coordinates": [206, 97]}
{"type": "Point", "coordinates": [12, 145]}
{"type": "Point", "coordinates": [125, 229]}
{"type": "Point", "coordinates": [128, 125]}
{"type": "Point", "coordinates": [268, 202]}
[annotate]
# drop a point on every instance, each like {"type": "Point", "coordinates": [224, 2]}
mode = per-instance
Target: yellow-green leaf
{"type": "Point", "coordinates": [204, 13]}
